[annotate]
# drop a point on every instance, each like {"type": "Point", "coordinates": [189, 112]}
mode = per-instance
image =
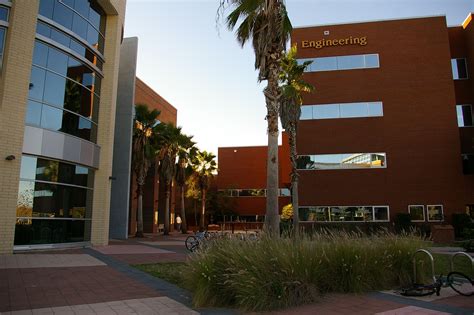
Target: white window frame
{"type": "Point", "coordinates": [424, 211]}
{"type": "Point", "coordinates": [442, 213]}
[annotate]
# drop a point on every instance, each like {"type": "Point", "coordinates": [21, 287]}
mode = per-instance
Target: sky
{"type": "Point", "coordinates": [199, 67]}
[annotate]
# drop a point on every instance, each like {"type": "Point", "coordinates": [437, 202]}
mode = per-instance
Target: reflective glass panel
{"type": "Point", "coordinates": [417, 213]}
{"type": "Point", "coordinates": [306, 112]}
{"type": "Point", "coordinates": [46, 8]}
{"type": "Point", "coordinates": [54, 89]}
{"type": "Point", "coordinates": [60, 37]}
{"type": "Point", "coordinates": [2, 39]}
{"type": "Point", "coordinates": [326, 111]}
{"type": "Point", "coordinates": [350, 62]}
{"type": "Point", "coordinates": [350, 110]}
{"type": "Point", "coordinates": [435, 213]}
{"type": "Point", "coordinates": [33, 113]}
{"type": "Point", "coordinates": [375, 109]}
{"type": "Point", "coordinates": [252, 193]}
{"type": "Point", "coordinates": [324, 64]}
{"type": "Point", "coordinates": [36, 86]}
{"type": "Point", "coordinates": [43, 29]}
{"type": "Point", "coordinates": [57, 61]}
{"type": "Point", "coordinates": [28, 167]}
{"type": "Point", "coordinates": [285, 192]}
{"type": "Point", "coordinates": [372, 61]}
{"type": "Point", "coordinates": [79, 26]}
{"type": "Point", "coordinates": [4, 13]}
{"type": "Point", "coordinates": [468, 164]}
{"type": "Point", "coordinates": [62, 14]}
{"type": "Point", "coordinates": [341, 161]}
{"type": "Point", "coordinates": [40, 54]}
{"type": "Point", "coordinates": [51, 118]}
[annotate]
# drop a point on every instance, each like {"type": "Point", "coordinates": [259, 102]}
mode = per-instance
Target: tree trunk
{"type": "Point", "coordinates": [203, 210]}
{"type": "Point", "coordinates": [294, 178]}
{"type": "Point", "coordinates": [139, 232]}
{"type": "Point", "coordinates": [195, 212]}
{"type": "Point", "coordinates": [184, 226]}
{"type": "Point", "coordinates": [272, 98]}
{"type": "Point", "coordinates": [166, 226]}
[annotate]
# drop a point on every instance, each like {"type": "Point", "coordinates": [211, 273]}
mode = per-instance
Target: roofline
{"type": "Point", "coordinates": [371, 21]}
{"type": "Point", "coordinates": [137, 78]}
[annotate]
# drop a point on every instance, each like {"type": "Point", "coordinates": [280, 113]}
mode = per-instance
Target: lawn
{"type": "Point", "coordinates": [171, 272]}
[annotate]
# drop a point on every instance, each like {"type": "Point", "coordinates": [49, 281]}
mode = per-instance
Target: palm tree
{"type": "Point", "coordinates": [143, 152]}
{"type": "Point", "coordinates": [290, 111]}
{"type": "Point", "coordinates": [266, 24]}
{"type": "Point", "coordinates": [171, 142]}
{"type": "Point", "coordinates": [205, 166]}
{"type": "Point", "coordinates": [185, 157]}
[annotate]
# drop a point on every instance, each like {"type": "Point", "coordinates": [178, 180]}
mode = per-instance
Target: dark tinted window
{"type": "Point", "coordinates": [4, 13]}
{"type": "Point", "coordinates": [468, 164]}
{"type": "Point", "coordinates": [40, 231]}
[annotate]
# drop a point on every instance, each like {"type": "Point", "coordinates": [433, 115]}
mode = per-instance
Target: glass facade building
{"type": "Point", "coordinates": [55, 197]}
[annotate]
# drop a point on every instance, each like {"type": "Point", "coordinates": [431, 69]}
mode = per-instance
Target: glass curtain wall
{"type": "Point", "coordinates": [55, 197]}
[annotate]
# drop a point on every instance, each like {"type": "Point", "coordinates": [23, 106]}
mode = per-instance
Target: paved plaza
{"type": "Point", "coordinates": [101, 280]}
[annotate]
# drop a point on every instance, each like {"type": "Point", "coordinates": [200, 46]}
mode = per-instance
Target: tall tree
{"type": "Point", "coordinates": [205, 166]}
{"type": "Point", "coordinates": [143, 152]}
{"type": "Point", "coordinates": [266, 24]}
{"type": "Point", "coordinates": [186, 155]}
{"type": "Point", "coordinates": [170, 141]}
{"type": "Point", "coordinates": [293, 85]}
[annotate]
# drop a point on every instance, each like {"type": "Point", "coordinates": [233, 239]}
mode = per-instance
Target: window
{"type": "Point", "coordinates": [345, 213]}
{"type": "Point", "coordinates": [435, 213]}
{"type": "Point", "coordinates": [464, 114]}
{"type": "Point", "coordinates": [85, 18]}
{"type": "Point", "coordinates": [342, 62]}
{"type": "Point", "coordinates": [282, 192]}
{"type": "Point", "coordinates": [417, 213]}
{"type": "Point", "coordinates": [343, 110]}
{"type": "Point", "coordinates": [341, 161]}
{"type": "Point", "coordinates": [459, 67]}
{"type": "Point", "coordinates": [468, 164]}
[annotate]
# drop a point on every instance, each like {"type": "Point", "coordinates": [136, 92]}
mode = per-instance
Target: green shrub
{"type": "Point", "coordinates": [402, 222]}
{"type": "Point", "coordinates": [460, 222]}
{"type": "Point", "coordinates": [276, 273]}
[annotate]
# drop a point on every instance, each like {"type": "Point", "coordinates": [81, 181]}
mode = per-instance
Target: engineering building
{"type": "Point", "coordinates": [58, 93]}
{"type": "Point", "coordinates": [389, 128]}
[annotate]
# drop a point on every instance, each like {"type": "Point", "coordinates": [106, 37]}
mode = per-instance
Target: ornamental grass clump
{"type": "Point", "coordinates": [273, 273]}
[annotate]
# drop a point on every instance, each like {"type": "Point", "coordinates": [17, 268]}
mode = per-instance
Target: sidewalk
{"type": "Point", "coordinates": [100, 280]}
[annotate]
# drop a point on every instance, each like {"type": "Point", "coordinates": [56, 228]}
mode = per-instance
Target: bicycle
{"type": "Point", "coordinates": [193, 242]}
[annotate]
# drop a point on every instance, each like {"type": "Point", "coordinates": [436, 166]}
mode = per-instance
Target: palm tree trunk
{"type": "Point", "coordinates": [139, 232]}
{"type": "Point", "coordinates": [184, 227]}
{"type": "Point", "coordinates": [203, 209]}
{"type": "Point", "coordinates": [166, 226]}
{"type": "Point", "coordinates": [294, 178]}
{"type": "Point", "coordinates": [272, 98]}
{"type": "Point", "coordinates": [195, 212]}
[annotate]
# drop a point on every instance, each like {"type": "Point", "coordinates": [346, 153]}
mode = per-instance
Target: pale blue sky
{"type": "Point", "coordinates": [206, 75]}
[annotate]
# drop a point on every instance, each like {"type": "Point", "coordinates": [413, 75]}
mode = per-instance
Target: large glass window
{"type": "Point", "coordinates": [342, 62]}
{"type": "Point", "coordinates": [417, 213]}
{"type": "Point", "coordinates": [54, 202]}
{"type": "Point", "coordinates": [83, 17]}
{"type": "Point", "coordinates": [459, 67]}
{"type": "Point", "coordinates": [341, 161]}
{"type": "Point", "coordinates": [343, 110]}
{"type": "Point", "coordinates": [464, 114]}
{"type": "Point", "coordinates": [283, 192]}
{"type": "Point", "coordinates": [66, 40]}
{"type": "Point", "coordinates": [345, 213]}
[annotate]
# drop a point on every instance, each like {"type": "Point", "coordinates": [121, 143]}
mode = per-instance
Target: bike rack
{"type": "Point", "coordinates": [432, 264]}
{"type": "Point", "coordinates": [459, 254]}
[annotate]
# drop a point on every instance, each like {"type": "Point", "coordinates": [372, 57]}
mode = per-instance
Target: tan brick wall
{"type": "Point", "coordinates": [15, 78]}
{"type": "Point", "coordinates": [105, 138]}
